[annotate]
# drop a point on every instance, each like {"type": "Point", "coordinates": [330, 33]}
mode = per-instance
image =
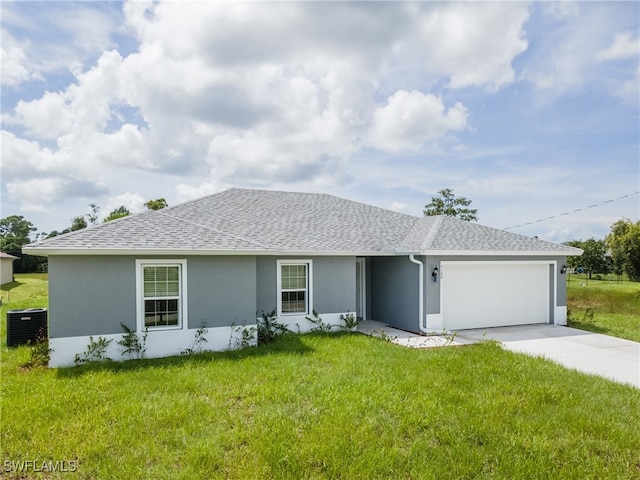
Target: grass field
{"type": "Point", "coordinates": [316, 406]}
{"type": "Point", "coordinates": [612, 308]}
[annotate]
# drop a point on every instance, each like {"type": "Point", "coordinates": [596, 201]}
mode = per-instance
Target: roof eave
{"type": "Point", "coordinates": [44, 252]}
{"type": "Point", "coordinates": [501, 253]}
{"type": "Point", "coordinates": [47, 251]}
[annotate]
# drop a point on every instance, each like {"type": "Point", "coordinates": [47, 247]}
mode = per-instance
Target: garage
{"type": "Point", "coordinates": [494, 294]}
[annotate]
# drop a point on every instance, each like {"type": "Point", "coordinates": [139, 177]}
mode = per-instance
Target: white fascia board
{"type": "Point", "coordinates": [502, 253]}
{"type": "Point", "coordinates": [44, 252]}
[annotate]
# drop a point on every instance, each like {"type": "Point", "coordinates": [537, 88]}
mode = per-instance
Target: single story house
{"type": "Point", "coordinates": [6, 268]}
{"type": "Point", "coordinates": [222, 260]}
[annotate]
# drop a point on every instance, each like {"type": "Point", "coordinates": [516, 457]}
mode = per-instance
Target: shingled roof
{"type": "Point", "coordinates": [240, 221]}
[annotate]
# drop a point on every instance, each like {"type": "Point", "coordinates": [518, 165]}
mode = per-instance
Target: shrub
{"type": "Point", "coordinates": [131, 344]}
{"type": "Point", "coordinates": [269, 327]}
{"type": "Point", "coordinates": [95, 351]}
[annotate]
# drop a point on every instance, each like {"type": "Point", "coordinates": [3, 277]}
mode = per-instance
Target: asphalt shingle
{"type": "Point", "coordinates": [271, 221]}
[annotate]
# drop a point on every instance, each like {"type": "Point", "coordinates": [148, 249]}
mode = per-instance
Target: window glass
{"type": "Point", "coordinates": [294, 286]}
{"type": "Point", "coordinates": [162, 296]}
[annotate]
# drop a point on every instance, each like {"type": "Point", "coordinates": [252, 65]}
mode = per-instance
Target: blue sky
{"type": "Point", "coordinates": [530, 110]}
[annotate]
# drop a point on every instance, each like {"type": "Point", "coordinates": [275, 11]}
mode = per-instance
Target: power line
{"type": "Point", "coordinates": [573, 211]}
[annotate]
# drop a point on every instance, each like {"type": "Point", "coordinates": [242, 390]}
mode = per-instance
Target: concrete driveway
{"type": "Point", "coordinates": [613, 358]}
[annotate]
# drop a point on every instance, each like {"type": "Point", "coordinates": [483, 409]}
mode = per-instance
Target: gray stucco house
{"type": "Point", "coordinates": [225, 258]}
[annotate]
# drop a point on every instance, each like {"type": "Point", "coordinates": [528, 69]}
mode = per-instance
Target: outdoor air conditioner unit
{"type": "Point", "coordinates": [24, 326]}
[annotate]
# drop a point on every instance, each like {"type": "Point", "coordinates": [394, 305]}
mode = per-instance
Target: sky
{"type": "Point", "coordinates": [530, 110]}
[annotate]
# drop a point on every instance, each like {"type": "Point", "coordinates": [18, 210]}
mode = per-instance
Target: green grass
{"type": "Point", "coordinates": [612, 308]}
{"type": "Point", "coordinates": [322, 406]}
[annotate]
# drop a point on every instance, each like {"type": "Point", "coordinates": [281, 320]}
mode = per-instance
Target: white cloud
{"type": "Point", "coordinates": [82, 106]}
{"type": "Point", "coordinates": [37, 194]}
{"type": "Point", "coordinates": [64, 36]}
{"type": "Point", "coordinates": [624, 46]}
{"type": "Point", "coordinates": [409, 119]}
{"type": "Point", "coordinates": [16, 68]}
{"type": "Point", "coordinates": [569, 58]}
{"type": "Point", "coordinates": [320, 96]}
{"type": "Point", "coordinates": [474, 44]}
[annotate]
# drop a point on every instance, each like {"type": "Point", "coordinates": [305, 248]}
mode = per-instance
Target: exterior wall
{"type": "Point", "coordinates": [92, 295]}
{"type": "Point", "coordinates": [334, 288]}
{"type": "Point", "coordinates": [368, 287]}
{"type": "Point", "coordinates": [394, 292]}
{"type": "Point", "coordinates": [6, 270]}
{"type": "Point", "coordinates": [393, 289]}
{"type": "Point", "coordinates": [222, 291]}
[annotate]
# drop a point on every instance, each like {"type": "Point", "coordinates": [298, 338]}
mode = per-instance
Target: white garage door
{"type": "Point", "coordinates": [479, 295]}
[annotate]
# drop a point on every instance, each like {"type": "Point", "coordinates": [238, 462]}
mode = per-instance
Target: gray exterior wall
{"type": "Point", "coordinates": [367, 268]}
{"type": "Point", "coordinates": [222, 290]}
{"type": "Point", "coordinates": [91, 295]}
{"type": "Point", "coordinates": [334, 283]}
{"type": "Point", "coordinates": [394, 291]}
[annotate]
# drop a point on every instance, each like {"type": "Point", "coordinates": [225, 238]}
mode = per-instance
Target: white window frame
{"type": "Point", "coordinates": [309, 290]}
{"type": "Point", "coordinates": [182, 309]}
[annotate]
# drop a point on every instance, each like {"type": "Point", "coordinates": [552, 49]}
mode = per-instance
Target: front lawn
{"type": "Point", "coordinates": [608, 307]}
{"type": "Point", "coordinates": [320, 406]}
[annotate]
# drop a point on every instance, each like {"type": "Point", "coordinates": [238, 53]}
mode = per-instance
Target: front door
{"type": "Point", "coordinates": [361, 302]}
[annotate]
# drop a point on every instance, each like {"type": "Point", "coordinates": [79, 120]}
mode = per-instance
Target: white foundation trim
{"type": "Point", "coordinates": [161, 343]}
{"type": "Point", "coordinates": [560, 315]}
{"type": "Point", "coordinates": [300, 324]}
{"type": "Point", "coordinates": [434, 323]}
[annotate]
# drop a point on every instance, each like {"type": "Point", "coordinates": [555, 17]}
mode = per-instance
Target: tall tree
{"type": "Point", "coordinates": [93, 216]}
{"type": "Point", "coordinates": [574, 262]}
{"type": "Point", "coordinates": [156, 204]}
{"type": "Point", "coordinates": [15, 232]}
{"type": "Point", "coordinates": [447, 204]}
{"type": "Point", "coordinates": [77, 223]}
{"type": "Point", "coordinates": [119, 212]}
{"type": "Point", "coordinates": [593, 260]}
{"type": "Point", "coordinates": [624, 243]}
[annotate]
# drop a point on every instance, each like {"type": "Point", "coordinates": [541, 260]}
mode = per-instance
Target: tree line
{"type": "Point", "coordinates": [16, 231]}
{"type": "Point", "coordinates": [618, 253]}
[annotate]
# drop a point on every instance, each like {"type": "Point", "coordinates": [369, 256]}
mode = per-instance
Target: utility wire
{"type": "Point", "coordinates": [573, 211]}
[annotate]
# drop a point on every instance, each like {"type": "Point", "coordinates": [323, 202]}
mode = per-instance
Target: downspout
{"type": "Point", "coordinates": [413, 259]}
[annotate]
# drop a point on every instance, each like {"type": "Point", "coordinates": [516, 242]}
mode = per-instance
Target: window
{"type": "Point", "coordinates": [161, 296]}
{"type": "Point", "coordinates": [294, 287]}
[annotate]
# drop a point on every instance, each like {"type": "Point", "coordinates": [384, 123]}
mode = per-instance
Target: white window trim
{"type": "Point", "coordinates": [140, 264]}
{"type": "Point", "coordinates": [309, 264]}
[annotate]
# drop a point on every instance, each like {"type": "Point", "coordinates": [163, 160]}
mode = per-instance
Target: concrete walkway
{"type": "Point", "coordinates": [613, 358]}
{"type": "Point", "coordinates": [404, 338]}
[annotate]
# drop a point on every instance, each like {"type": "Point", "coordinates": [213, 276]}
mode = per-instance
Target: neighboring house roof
{"type": "Point", "coordinates": [6, 255]}
{"type": "Point", "coordinates": [240, 221]}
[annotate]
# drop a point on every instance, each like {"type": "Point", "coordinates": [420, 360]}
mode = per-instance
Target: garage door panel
{"type": "Point", "coordinates": [477, 295]}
